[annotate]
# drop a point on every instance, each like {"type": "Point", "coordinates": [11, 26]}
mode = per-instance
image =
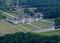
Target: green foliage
{"type": "Point", "coordinates": [57, 21]}
{"type": "Point", "coordinates": [28, 38]}
{"type": "Point", "coordinates": [2, 17]}
{"type": "Point", "coordinates": [26, 10]}
{"type": "Point", "coordinates": [50, 8]}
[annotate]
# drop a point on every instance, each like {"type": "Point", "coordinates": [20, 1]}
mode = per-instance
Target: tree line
{"type": "Point", "coordinates": [29, 38]}
{"type": "Point", "coordinates": [57, 22]}
{"type": "Point", "coordinates": [31, 3]}
{"type": "Point", "coordinates": [2, 16]}
{"type": "Point", "coordinates": [50, 8]}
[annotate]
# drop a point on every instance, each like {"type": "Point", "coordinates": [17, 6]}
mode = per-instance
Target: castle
{"type": "Point", "coordinates": [26, 18]}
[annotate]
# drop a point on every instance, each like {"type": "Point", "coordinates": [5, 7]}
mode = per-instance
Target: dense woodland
{"type": "Point", "coordinates": [50, 8]}
{"type": "Point", "coordinates": [29, 38]}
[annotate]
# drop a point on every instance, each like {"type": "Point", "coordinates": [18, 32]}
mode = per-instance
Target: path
{"type": "Point", "coordinates": [45, 30]}
{"type": "Point", "coordinates": [8, 14]}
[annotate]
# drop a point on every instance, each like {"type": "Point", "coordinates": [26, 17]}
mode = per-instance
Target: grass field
{"type": "Point", "coordinates": [32, 26]}
{"type": "Point", "coordinates": [6, 28]}
{"type": "Point", "coordinates": [50, 33]}
{"type": "Point", "coordinates": [24, 27]}
{"type": "Point", "coordinates": [39, 24]}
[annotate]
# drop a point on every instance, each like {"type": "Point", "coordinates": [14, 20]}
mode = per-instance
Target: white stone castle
{"type": "Point", "coordinates": [26, 18]}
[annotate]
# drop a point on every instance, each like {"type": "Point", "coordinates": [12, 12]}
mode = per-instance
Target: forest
{"type": "Point", "coordinates": [50, 8]}
{"type": "Point", "coordinates": [29, 38]}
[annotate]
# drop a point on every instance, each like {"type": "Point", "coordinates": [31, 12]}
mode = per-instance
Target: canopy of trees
{"type": "Point", "coordinates": [2, 17]}
{"type": "Point", "coordinates": [49, 12]}
{"type": "Point", "coordinates": [28, 38]}
{"type": "Point", "coordinates": [50, 8]}
{"type": "Point", "coordinates": [57, 21]}
{"type": "Point", "coordinates": [33, 2]}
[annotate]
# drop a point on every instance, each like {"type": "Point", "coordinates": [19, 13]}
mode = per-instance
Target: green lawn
{"type": "Point", "coordinates": [48, 20]}
{"type": "Point", "coordinates": [32, 26]}
{"type": "Point", "coordinates": [29, 26]}
{"type": "Point", "coordinates": [26, 27]}
{"type": "Point", "coordinates": [40, 24]}
{"type": "Point", "coordinates": [23, 28]}
{"type": "Point", "coordinates": [50, 33]}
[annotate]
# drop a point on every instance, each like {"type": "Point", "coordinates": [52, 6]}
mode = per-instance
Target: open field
{"type": "Point", "coordinates": [6, 28]}
{"type": "Point", "coordinates": [39, 24]}
{"type": "Point", "coordinates": [24, 27]}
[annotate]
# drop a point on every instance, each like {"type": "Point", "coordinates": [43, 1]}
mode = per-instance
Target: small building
{"type": "Point", "coordinates": [32, 8]}
{"type": "Point", "coordinates": [40, 15]}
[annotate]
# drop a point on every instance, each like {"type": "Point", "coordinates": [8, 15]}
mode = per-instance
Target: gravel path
{"type": "Point", "coordinates": [44, 30]}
